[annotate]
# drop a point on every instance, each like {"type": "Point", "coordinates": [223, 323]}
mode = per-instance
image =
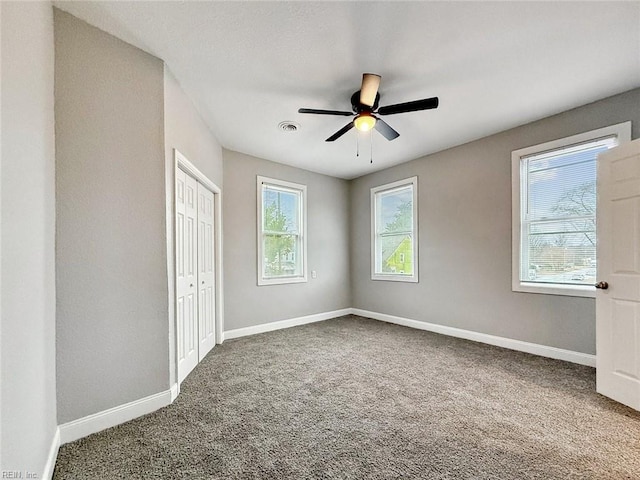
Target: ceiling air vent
{"type": "Point", "coordinates": [288, 126]}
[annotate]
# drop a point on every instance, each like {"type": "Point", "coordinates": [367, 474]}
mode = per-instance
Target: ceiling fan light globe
{"type": "Point", "coordinates": [364, 123]}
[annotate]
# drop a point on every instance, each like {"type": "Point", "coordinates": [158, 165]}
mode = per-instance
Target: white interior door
{"type": "Point", "coordinates": [206, 268]}
{"type": "Point", "coordinates": [618, 306]}
{"type": "Point", "coordinates": [186, 274]}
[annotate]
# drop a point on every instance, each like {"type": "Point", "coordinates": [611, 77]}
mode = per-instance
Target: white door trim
{"type": "Point", "coordinates": [181, 162]}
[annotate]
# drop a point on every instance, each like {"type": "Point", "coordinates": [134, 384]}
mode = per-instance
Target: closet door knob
{"type": "Point", "coordinates": [602, 285]}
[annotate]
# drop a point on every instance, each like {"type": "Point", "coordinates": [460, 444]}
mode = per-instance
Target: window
{"type": "Point", "coordinates": [554, 212]}
{"type": "Point", "coordinates": [394, 231]}
{"type": "Point", "coordinates": [281, 232]}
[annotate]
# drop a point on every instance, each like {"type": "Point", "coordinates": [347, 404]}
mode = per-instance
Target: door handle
{"type": "Point", "coordinates": [191, 286]}
{"type": "Point", "coordinates": [602, 285]}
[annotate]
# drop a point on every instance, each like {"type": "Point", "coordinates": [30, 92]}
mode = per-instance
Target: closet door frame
{"type": "Point", "coordinates": [181, 162]}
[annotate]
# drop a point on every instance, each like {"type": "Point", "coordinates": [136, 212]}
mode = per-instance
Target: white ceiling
{"type": "Point", "coordinates": [494, 65]}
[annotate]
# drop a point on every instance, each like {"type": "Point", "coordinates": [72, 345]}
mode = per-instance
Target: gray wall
{"type": "Point", "coordinates": [185, 131]}
{"type": "Point", "coordinates": [465, 238]}
{"type": "Point", "coordinates": [112, 339]}
{"type": "Point", "coordinates": [247, 304]}
{"type": "Point", "coordinates": [27, 376]}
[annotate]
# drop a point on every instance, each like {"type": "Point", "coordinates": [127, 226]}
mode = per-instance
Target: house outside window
{"type": "Point", "coordinates": [554, 212]}
{"type": "Point", "coordinates": [281, 232]}
{"type": "Point", "coordinates": [394, 231]}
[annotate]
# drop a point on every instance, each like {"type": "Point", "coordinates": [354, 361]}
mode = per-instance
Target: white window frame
{"type": "Point", "coordinates": [623, 133]}
{"type": "Point", "coordinates": [394, 277]}
{"type": "Point", "coordinates": [294, 188]}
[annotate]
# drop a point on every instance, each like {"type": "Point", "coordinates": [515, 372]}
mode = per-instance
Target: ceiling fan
{"type": "Point", "coordinates": [365, 116]}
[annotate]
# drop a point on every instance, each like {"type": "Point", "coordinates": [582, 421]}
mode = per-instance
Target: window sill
{"type": "Point", "coordinates": [281, 280]}
{"type": "Point", "coordinates": [566, 290]}
{"type": "Point", "coordinates": [395, 278]}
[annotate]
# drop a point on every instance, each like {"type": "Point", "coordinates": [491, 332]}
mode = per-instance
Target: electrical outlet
{"type": "Point", "coordinates": [314, 274]}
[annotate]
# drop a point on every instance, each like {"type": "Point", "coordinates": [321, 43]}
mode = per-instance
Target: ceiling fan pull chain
{"type": "Point", "coordinates": [371, 143]}
{"type": "Point", "coordinates": [357, 145]}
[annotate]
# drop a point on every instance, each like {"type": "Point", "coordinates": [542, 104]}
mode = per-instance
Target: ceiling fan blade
{"type": "Point", "coordinates": [340, 132]}
{"type": "Point", "coordinates": [386, 130]}
{"type": "Point", "coordinates": [414, 106]}
{"type": "Point", "coordinates": [369, 89]}
{"type": "Point", "coordinates": [324, 112]}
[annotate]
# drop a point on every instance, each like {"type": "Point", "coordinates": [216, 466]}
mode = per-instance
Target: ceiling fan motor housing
{"type": "Point", "coordinates": [359, 107]}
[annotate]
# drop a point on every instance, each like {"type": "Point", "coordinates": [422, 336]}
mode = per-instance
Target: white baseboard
{"type": "Point", "coordinates": [291, 322]}
{"type": "Point", "coordinates": [53, 455]}
{"type": "Point", "coordinates": [175, 391]}
{"type": "Point", "coordinates": [82, 427]}
{"type": "Point", "coordinates": [88, 425]}
{"type": "Point", "coordinates": [534, 348]}
{"type": "Point", "coordinates": [519, 345]}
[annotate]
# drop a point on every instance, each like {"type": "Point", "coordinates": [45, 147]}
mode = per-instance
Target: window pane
{"type": "Point", "coordinates": [396, 211]}
{"type": "Point", "coordinates": [560, 252]}
{"type": "Point", "coordinates": [397, 254]}
{"type": "Point", "coordinates": [563, 191]}
{"type": "Point", "coordinates": [561, 186]}
{"type": "Point", "coordinates": [280, 255]}
{"type": "Point", "coordinates": [281, 209]}
{"type": "Point", "coordinates": [562, 182]}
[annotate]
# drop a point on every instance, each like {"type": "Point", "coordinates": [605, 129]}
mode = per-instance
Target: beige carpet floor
{"type": "Point", "coordinates": [353, 398]}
